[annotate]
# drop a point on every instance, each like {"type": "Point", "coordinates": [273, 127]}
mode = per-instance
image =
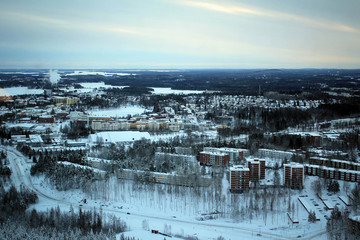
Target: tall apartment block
{"type": "Point", "coordinates": [239, 178]}
{"type": "Point", "coordinates": [257, 169]}
{"type": "Point", "coordinates": [294, 175]}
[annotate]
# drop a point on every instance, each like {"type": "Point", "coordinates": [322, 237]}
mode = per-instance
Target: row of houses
{"type": "Point", "coordinates": [177, 150]}
{"type": "Point", "coordinates": [177, 160]}
{"type": "Point", "coordinates": [235, 154]}
{"type": "Point", "coordinates": [164, 178]}
{"type": "Point", "coordinates": [294, 173]}
{"type": "Point", "coordinates": [332, 173]}
{"type": "Point", "coordinates": [211, 156]}
{"type": "Point", "coordinates": [332, 163]}
{"type": "Point", "coordinates": [214, 159]}
{"type": "Point", "coordinates": [124, 125]}
{"type": "Point", "coordinates": [65, 100]}
{"type": "Point", "coordinates": [274, 154]}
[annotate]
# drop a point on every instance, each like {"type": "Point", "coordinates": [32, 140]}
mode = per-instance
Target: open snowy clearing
{"type": "Point", "coordinates": [165, 91]}
{"type": "Point", "coordinates": [128, 136]}
{"type": "Point", "coordinates": [118, 112]}
{"type": "Point", "coordinates": [97, 73]}
{"type": "Point", "coordinates": [92, 86]}
{"type": "Point", "coordinates": [15, 91]}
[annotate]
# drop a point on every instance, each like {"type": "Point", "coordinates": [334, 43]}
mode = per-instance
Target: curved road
{"type": "Point", "coordinates": [22, 174]}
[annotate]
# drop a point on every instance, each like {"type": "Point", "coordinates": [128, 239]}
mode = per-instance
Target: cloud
{"type": "Point", "coordinates": [114, 29]}
{"type": "Point", "coordinates": [35, 18]}
{"type": "Point", "coordinates": [60, 23]}
{"type": "Point", "coordinates": [246, 10]}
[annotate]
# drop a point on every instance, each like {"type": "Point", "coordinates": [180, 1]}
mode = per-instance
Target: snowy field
{"type": "Point", "coordinates": [97, 73]}
{"type": "Point", "coordinates": [128, 136]}
{"type": "Point", "coordinates": [117, 136]}
{"type": "Point", "coordinates": [118, 112]}
{"type": "Point", "coordinates": [93, 85]}
{"type": "Point", "coordinates": [15, 91]}
{"type": "Point", "coordinates": [90, 87]}
{"type": "Point", "coordinates": [165, 91]}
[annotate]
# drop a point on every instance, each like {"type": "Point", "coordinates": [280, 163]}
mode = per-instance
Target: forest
{"type": "Point", "coordinates": [17, 221]}
{"type": "Point", "coordinates": [231, 81]}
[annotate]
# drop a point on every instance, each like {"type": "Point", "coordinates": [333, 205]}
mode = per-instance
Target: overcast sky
{"type": "Point", "coordinates": [179, 34]}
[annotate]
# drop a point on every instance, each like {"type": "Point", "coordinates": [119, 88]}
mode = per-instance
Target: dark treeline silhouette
{"type": "Point", "coordinates": [17, 223]}
{"type": "Point", "coordinates": [63, 177]}
{"type": "Point", "coordinates": [5, 171]}
{"type": "Point", "coordinates": [14, 201]}
{"type": "Point", "coordinates": [76, 130]}
{"type": "Point", "coordinates": [244, 81]}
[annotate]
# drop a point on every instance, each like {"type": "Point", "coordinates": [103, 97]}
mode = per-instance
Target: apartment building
{"type": "Point", "coordinates": [257, 169]}
{"type": "Point", "coordinates": [294, 175]}
{"type": "Point", "coordinates": [235, 154]}
{"type": "Point", "coordinates": [332, 173]}
{"type": "Point", "coordinates": [214, 158]}
{"type": "Point", "coordinates": [239, 178]}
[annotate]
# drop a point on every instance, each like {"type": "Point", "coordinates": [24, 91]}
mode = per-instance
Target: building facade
{"type": "Point", "coordinates": [214, 159]}
{"type": "Point", "coordinates": [239, 178]}
{"type": "Point", "coordinates": [257, 169]}
{"type": "Point", "coordinates": [177, 160]}
{"type": "Point", "coordinates": [235, 154]}
{"type": "Point", "coordinates": [332, 173]}
{"type": "Point", "coordinates": [294, 175]}
{"type": "Point", "coordinates": [333, 163]}
{"type": "Point", "coordinates": [274, 154]}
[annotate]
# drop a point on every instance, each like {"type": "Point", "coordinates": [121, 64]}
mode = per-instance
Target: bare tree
{"type": "Point", "coordinates": [316, 186]}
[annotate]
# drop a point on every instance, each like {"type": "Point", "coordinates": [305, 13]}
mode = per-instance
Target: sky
{"type": "Point", "coordinates": [185, 34]}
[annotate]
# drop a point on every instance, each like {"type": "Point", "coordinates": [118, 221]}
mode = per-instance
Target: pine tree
{"type": "Point", "coordinates": [312, 217]}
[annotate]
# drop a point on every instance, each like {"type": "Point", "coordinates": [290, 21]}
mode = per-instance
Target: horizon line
{"type": "Point", "coordinates": [181, 69]}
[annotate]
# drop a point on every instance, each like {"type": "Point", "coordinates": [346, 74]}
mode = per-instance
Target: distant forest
{"type": "Point", "coordinates": [251, 82]}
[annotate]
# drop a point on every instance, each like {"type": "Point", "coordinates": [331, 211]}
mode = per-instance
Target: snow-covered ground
{"type": "Point", "coordinates": [118, 112]}
{"type": "Point", "coordinates": [97, 73]}
{"type": "Point", "coordinates": [92, 86]}
{"type": "Point", "coordinates": [128, 136]}
{"type": "Point", "coordinates": [177, 210]}
{"type": "Point", "coordinates": [165, 91]}
{"type": "Point", "coordinates": [117, 136]}
{"type": "Point", "coordinates": [14, 91]}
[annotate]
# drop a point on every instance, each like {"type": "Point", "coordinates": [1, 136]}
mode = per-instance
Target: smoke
{"type": "Point", "coordinates": [54, 77]}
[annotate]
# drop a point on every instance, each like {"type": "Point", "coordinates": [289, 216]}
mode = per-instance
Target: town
{"type": "Point", "coordinates": [286, 160]}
